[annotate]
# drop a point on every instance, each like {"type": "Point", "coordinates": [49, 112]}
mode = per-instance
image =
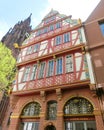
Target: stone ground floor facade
{"type": "Point", "coordinates": [67, 109]}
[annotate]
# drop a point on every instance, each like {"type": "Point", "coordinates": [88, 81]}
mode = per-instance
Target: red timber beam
{"type": "Point", "coordinates": [70, 49]}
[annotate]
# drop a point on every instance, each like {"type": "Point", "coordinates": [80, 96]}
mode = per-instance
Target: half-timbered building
{"type": "Point", "coordinates": [55, 87]}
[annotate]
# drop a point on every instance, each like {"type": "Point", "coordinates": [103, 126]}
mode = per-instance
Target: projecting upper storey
{"type": "Point", "coordinates": [55, 33]}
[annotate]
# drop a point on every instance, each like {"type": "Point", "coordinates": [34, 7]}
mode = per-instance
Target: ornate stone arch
{"type": "Point", "coordinates": [78, 105]}
{"type": "Point", "coordinates": [27, 102]}
{"type": "Point", "coordinates": [32, 108]}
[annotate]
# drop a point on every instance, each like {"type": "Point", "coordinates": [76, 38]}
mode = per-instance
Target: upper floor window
{"type": "Point", "coordinates": [66, 37]}
{"type": "Point", "coordinates": [29, 50]}
{"type": "Point", "coordinates": [50, 68]}
{"type": "Point", "coordinates": [51, 27]}
{"type": "Point", "coordinates": [102, 27]}
{"type": "Point", "coordinates": [41, 71]}
{"type": "Point", "coordinates": [26, 74]}
{"type": "Point", "coordinates": [58, 25]}
{"type": "Point", "coordinates": [69, 63]}
{"type": "Point", "coordinates": [33, 74]}
{"type": "Point", "coordinates": [58, 40]}
{"type": "Point", "coordinates": [36, 47]}
{"type": "Point", "coordinates": [38, 32]}
{"type": "Point", "coordinates": [59, 66]}
{"type": "Point", "coordinates": [45, 30]}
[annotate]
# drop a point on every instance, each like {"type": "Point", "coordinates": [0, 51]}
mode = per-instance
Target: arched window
{"type": "Point", "coordinates": [28, 123]}
{"type": "Point", "coordinates": [51, 110]}
{"type": "Point", "coordinates": [31, 109]}
{"type": "Point", "coordinates": [74, 110]}
{"type": "Point", "coordinates": [78, 105]}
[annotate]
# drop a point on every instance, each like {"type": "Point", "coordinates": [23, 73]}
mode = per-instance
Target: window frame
{"type": "Point", "coordinates": [29, 50]}
{"type": "Point", "coordinates": [58, 25]}
{"type": "Point", "coordinates": [34, 71]}
{"type": "Point", "coordinates": [58, 40]}
{"type": "Point", "coordinates": [41, 72]}
{"type": "Point", "coordinates": [68, 64]}
{"type": "Point", "coordinates": [36, 48]}
{"type": "Point", "coordinates": [66, 37]}
{"type": "Point", "coordinates": [101, 25]}
{"type": "Point", "coordinates": [26, 74]}
{"type": "Point", "coordinates": [58, 67]}
{"type": "Point", "coordinates": [49, 70]}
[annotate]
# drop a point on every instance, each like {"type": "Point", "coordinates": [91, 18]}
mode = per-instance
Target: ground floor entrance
{"type": "Point", "coordinates": [50, 127]}
{"type": "Point", "coordinates": [80, 125]}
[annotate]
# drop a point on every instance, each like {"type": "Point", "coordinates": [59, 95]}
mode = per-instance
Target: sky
{"type": "Point", "coordinates": [12, 11]}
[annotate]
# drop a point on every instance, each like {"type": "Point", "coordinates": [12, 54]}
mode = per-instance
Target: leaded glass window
{"type": "Point", "coordinates": [50, 68]}
{"type": "Point", "coordinates": [32, 109]}
{"type": "Point", "coordinates": [69, 63]}
{"type": "Point", "coordinates": [52, 110]}
{"type": "Point", "coordinates": [26, 74]}
{"type": "Point", "coordinates": [33, 74]}
{"type": "Point", "coordinates": [78, 105]}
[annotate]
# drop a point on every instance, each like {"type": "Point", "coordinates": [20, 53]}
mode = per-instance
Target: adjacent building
{"type": "Point", "coordinates": [55, 87]}
{"type": "Point", "coordinates": [94, 27]}
{"type": "Point", "coordinates": [17, 34]}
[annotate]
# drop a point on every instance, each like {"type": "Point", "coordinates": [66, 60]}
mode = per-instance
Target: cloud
{"type": "Point", "coordinates": [76, 8]}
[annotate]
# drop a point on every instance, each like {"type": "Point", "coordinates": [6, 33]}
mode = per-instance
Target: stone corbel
{"type": "Point", "coordinates": [83, 50]}
{"type": "Point", "coordinates": [93, 89]}
{"type": "Point", "coordinates": [43, 95]}
{"type": "Point", "coordinates": [54, 57]}
{"type": "Point", "coordinates": [38, 62]}
{"type": "Point", "coordinates": [59, 93]}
